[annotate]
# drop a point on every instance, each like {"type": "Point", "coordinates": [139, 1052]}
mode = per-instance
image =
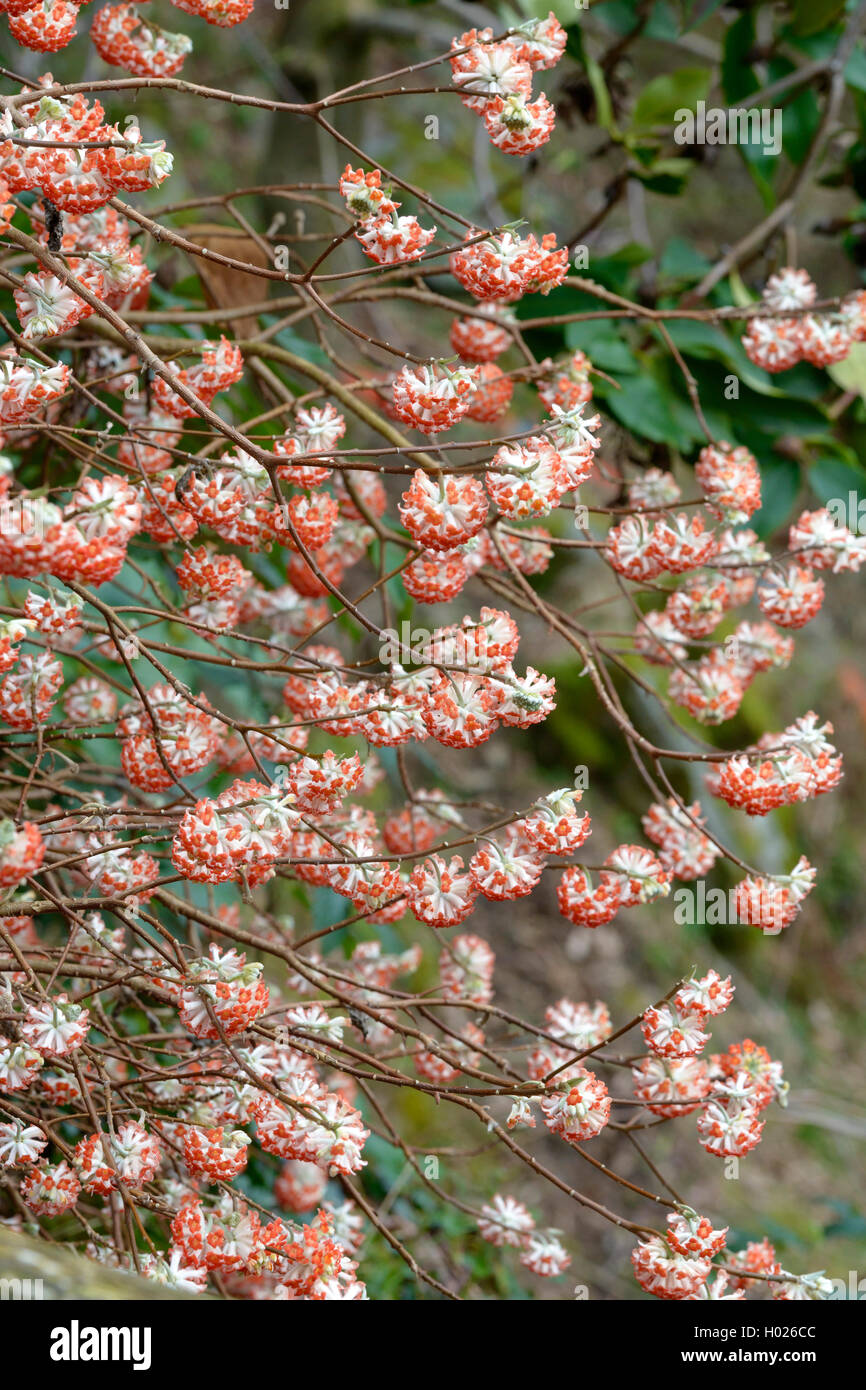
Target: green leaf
{"type": "Point", "coordinates": [301, 347]}
{"type": "Point", "coordinates": [780, 484]}
{"type": "Point", "coordinates": [739, 80]}
{"type": "Point", "coordinates": [666, 176]}
{"type": "Point", "coordinates": [696, 339]}
{"type": "Point", "coordinates": [616, 270]}
{"type": "Point", "coordinates": [801, 114]}
{"type": "Point", "coordinates": [739, 294]}
{"type": "Point", "coordinates": [850, 1221]}
{"type": "Point", "coordinates": [780, 415]}
{"type": "Point", "coordinates": [832, 478]}
{"type": "Point", "coordinates": [603, 106]}
{"type": "Point", "coordinates": [682, 261]}
{"type": "Point", "coordinates": [855, 69]}
{"type": "Point", "coordinates": [603, 103]}
{"type": "Point", "coordinates": [603, 345]}
{"type": "Point", "coordinates": [664, 96]}
{"type": "Point", "coordinates": [620, 16]}
{"type": "Point", "coordinates": [651, 412]}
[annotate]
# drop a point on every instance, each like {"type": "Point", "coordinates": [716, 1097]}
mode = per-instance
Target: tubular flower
{"type": "Point", "coordinates": [225, 14]}
{"type": "Point", "coordinates": [492, 395]}
{"type": "Point", "coordinates": [730, 1127]}
{"type": "Point", "coordinates": [643, 877]}
{"type": "Point", "coordinates": [578, 1025]}
{"type": "Point", "coordinates": [505, 1221]}
{"type": "Point", "coordinates": [56, 1027]}
{"type": "Point", "coordinates": [393, 240]}
{"type": "Point", "coordinates": [364, 195]}
{"type": "Point", "coordinates": [692, 1235]}
{"type": "Point", "coordinates": [46, 306]}
{"type": "Point", "coordinates": [487, 70]}
{"type": "Point", "coordinates": [480, 338]}
{"type": "Point", "coordinates": [769, 903]}
{"type": "Point", "coordinates": [221, 366]}
{"type": "Point", "coordinates": [675, 1030]}
{"type": "Point", "coordinates": [587, 905]}
{"type": "Point", "coordinates": [653, 489]}
{"type": "Point", "coordinates": [553, 825]}
{"type": "Point", "coordinates": [697, 607]}
{"type": "Point", "coordinates": [790, 595]}
{"type": "Point", "coordinates": [539, 42]}
{"type": "Point", "coordinates": [665, 1272]}
{"type": "Point", "coordinates": [759, 647]}
{"type": "Point", "coordinates": [569, 386]}
{"type": "Point", "coordinates": [534, 482]}
{"type": "Point", "coordinates": [671, 1086]}
{"type": "Point", "coordinates": [683, 848]}
{"type": "Point", "coordinates": [710, 995]}
{"type": "Point", "coordinates": [431, 400]}
{"type": "Point", "coordinates": [825, 544]}
{"type": "Point", "coordinates": [22, 850]}
{"type": "Point", "coordinates": [225, 994]}
{"type": "Point", "coordinates": [462, 710]}
{"type": "Point", "coordinates": [500, 872]}
{"type": "Point", "coordinates": [517, 126]}
{"type": "Point", "coordinates": [442, 513]}
{"type": "Point", "coordinates": [439, 893]}
{"type": "Point", "coordinates": [210, 574]}
{"type": "Point", "coordinates": [631, 549]}
{"type": "Point", "coordinates": [545, 1254]}
{"type": "Point", "coordinates": [579, 1112]}
{"type": "Point", "coordinates": [50, 1189]}
{"type": "Point", "coordinates": [19, 1066]}
{"type": "Point", "coordinates": [466, 969]}
{"type": "Point", "coordinates": [824, 339]}
{"type": "Point", "coordinates": [11, 633]}
{"type": "Point", "coordinates": [435, 577]}
{"type": "Point", "coordinates": [25, 385]}
{"type": "Point", "coordinates": [730, 481]}
{"type": "Point", "coordinates": [130, 1157]}
{"type": "Point", "coordinates": [773, 344]}
{"type": "Point", "coordinates": [759, 1257]}
{"type": "Point", "coordinates": [507, 266]}
{"type": "Point", "coordinates": [123, 38]}
{"type": "Point", "coordinates": [711, 689]}
{"type": "Point", "coordinates": [221, 1238]}
{"type": "Point", "coordinates": [300, 1186]}
{"type": "Point", "coordinates": [681, 543]}
{"type": "Point", "coordinates": [20, 1144]}
{"type": "Point", "coordinates": [749, 1063]}
{"type": "Point", "coordinates": [240, 834]}
{"type": "Point", "coordinates": [46, 26]}
{"type": "Point", "coordinates": [319, 785]}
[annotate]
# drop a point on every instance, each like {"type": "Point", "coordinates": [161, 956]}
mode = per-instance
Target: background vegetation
{"type": "Point", "coordinates": [655, 218]}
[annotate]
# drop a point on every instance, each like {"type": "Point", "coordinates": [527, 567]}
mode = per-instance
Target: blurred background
{"type": "Point", "coordinates": [654, 217]}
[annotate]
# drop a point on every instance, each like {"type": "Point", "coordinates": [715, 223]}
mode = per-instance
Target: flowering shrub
{"type": "Point", "coordinates": [167, 1029]}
